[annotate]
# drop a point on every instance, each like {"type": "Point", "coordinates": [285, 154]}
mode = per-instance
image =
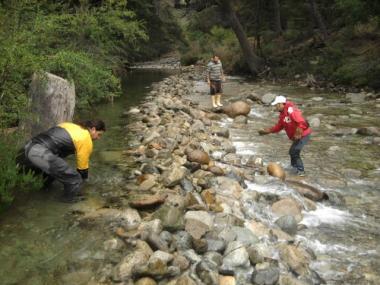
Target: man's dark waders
{"type": "Point", "coordinates": [42, 154]}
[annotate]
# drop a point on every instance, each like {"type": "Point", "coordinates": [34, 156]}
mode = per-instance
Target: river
{"type": "Point", "coordinates": [39, 237]}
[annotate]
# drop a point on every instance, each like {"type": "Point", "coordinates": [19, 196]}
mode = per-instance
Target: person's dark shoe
{"type": "Point", "coordinates": [301, 173]}
{"type": "Point", "coordinates": [71, 198]}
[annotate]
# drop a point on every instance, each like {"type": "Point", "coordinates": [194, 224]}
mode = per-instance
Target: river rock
{"type": "Point", "coordinates": [236, 109]}
{"type": "Point", "coordinates": [198, 156]}
{"type": "Point", "coordinates": [146, 281]}
{"type": "Point", "coordinates": [287, 224]}
{"type": "Point", "coordinates": [266, 276]}
{"type": "Point", "coordinates": [227, 280]}
{"type": "Point", "coordinates": [235, 256]}
{"type": "Point", "coordinates": [174, 175]}
{"type": "Point", "coordinates": [356, 97]}
{"type": "Point", "coordinates": [295, 257]}
{"type": "Point", "coordinates": [124, 269]}
{"type": "Point", "coordinates": [314, 122]}
{"type": "Point", "coordinates": [181, 262]}
{"type": "Point", "coordinates": [171, 217]}
{"type": "Point", "coordinates": [369, 131]}
{"type": "Point", "coordinates": [240, 120]}
{"type": "Point", "coordinates": [185, 280]}
{"type": "Point", "coordinates": [145, 201]}
{"type": "Point", "coordinates": [197, 223]}
{"type": "Point", "coordinates": [276, 170]}
{"type": "Point", "coordinates": [306, 190]}
{"type": "Point", "coordinates": [268, 98]}
{"type": "Point", "coordinates": [207, 273]}
{"type": "Point", "coordinates": [288, 206]}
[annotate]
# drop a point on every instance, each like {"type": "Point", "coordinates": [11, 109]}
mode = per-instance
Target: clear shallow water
{"type": "Point", "coordinates": [40, 240]}
{"type": "Point", "coordinates": [346, 239]}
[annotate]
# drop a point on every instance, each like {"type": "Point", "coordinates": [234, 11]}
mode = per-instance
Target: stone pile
{"type": "Point", "coordinates": [186, 216]}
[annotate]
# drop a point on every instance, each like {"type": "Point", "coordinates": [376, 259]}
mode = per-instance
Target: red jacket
{"type": "Point", "coordinates": [290, 118]}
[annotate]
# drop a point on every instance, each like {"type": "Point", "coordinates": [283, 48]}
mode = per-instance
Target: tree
{"type": "Point", "coordinates": [254, 62]}
{"type": "Point", "coordinates": [277, 17]}
{"type": "Point", "coordinates": [318, 18]}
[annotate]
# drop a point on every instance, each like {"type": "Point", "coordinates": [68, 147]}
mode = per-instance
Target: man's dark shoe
{"type": "Point", "coordinates": [71, 198]}
{"type": "Point", "coordinates": [301, 173]}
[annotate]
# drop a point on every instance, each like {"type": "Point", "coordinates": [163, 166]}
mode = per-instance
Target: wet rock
{"type": "Point", "coordinates": [288, 206]}
{"type": "Point", "coordinates": [181, 262]}
{"type": "Point", "coordinates": [146, 281]}
{"type": "Point", "coordinates": [235, 256]}
{"type": "Point", "coordinates": [288, 224]}
{"type": "Point", "coordinates": [215, 259]}
{"type": "Point", "coordinates": [124, 270]}
{"type": "Point", "coordinates": [307, 191]}
{"type": "Point", "coordinates": [290, 280]}
{"type": "Point", "coordinates": [163, 256]}
{"type": "Point", "coordinates": [254, 255]}
{"type": "Point", "coordinates": [182, 240]}
{"type": "Point", "coordinates": [216, 170]}
{"type": "Point", "coordinates": [171, 218]}
{"type": "Point", "coordinates": [113, 244]}
{"type": "Point", "coordinates": [295, 257]}
{"type": "Point", "coordinates": [206, 274]}
{"type": "Point", "coordinates": [243, 235]}
{"type": "Point", "coordinates": [186, 185]}
{"type": "Point", "coordinates": [336, 198]}
{"type": "Point", "coordinates": [351, 173]}
{"type": "Point", "coordinates": [236, 109]}
{"type": "Point", "coordinates": [146, 201]}
{"type": "Point", "coordinates": [241, 120]}
{"type": "Point", "coordinates": [228, 187]}
{"type": "Point", "coordinates": [276, 170]}
{"type": "Point", "coordinates": [197, 223]}
{"type": "Point", "coordinates": [174, 175]}
{"type": "Point", "coordinates": [227, 280]}
{"type": "Point", "coordinates": [266, 276]}
{"type": "Point", "coordinates": [185, 280]}
{"type": "Point", "coordinates": [192, 256]}
{"type": "Point", "coordinates": [222, 132]}
{"type": "Point", "coordinates": [153, 226]}
{"type": "Point", "coordinates": [149, 168]}
{"type": "Point", "coordinates": [216, 245]}
{"type": "Point", "coordinates": [356, 97]}
{"type": "Point", "coordinates": [200, 245]}
{"type": "Point", "coordinates": [198, 156]}
{"type": "Point", "coordinates": [268, 98]}
{"type": "Point", "coordinates": [369, 131]}
{"type": "Point", "coordinates": [80, 277]}
{"type": "Point", "coordinates": [314, 122]}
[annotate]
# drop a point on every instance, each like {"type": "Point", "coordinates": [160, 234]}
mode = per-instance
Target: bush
{"type": "Point", "coordinates": [11, 179]}
{"type": "Point", "coordinates": [93, 81]}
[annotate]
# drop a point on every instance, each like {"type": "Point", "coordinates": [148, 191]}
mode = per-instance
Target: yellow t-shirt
{"type": "Point", "coordinates": [82, 141]}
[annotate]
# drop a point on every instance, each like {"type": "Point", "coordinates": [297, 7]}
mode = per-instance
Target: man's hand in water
{"type": "Point", "coordinates": [263, 132]}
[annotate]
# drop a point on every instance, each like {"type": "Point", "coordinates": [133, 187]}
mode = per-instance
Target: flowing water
{"type": "Point", "coordinates": [40, 242]}
{"type": "Point", "coordinates": [345, 238]}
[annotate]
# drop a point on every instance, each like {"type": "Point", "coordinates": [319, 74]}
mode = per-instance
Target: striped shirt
{"type": "Point", "coordinates": [215, 70]}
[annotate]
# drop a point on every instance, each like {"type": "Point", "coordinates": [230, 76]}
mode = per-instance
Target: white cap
{"type": "Point", "coordinates": [278, 100]}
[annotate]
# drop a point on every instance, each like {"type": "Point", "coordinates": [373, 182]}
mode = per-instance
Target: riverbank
{"type": "Point", "coordinates": [185, 215]}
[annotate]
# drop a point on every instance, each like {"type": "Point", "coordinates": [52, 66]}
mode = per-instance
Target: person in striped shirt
{"type": "Point", "coordinates": [215, 76]}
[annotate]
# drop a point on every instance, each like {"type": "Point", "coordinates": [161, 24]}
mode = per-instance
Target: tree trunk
{"type": "Point", "coordinates": [277, 17]}
{"type": "Point", "coordinates": [254, 62]}
{"type": "Point", "coordinates": [318, 18]}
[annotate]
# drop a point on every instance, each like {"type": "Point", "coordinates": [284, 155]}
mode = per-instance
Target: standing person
{"type": "Point", "coordinates": [215, 76]}
{"type": "Point", "coordinates": [44, 154]}
{"type": "Point", "coordinates": [296, 128]}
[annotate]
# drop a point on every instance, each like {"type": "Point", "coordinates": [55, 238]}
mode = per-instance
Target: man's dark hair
{"type": "Point", "coordinates": [99, 125]}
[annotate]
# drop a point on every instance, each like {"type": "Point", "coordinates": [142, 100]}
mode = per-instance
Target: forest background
{"type": "Point", "coordinates": [92, 42]}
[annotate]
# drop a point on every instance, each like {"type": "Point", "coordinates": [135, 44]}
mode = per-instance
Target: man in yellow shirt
{"type": "Point", "coordinates": [45, 152]}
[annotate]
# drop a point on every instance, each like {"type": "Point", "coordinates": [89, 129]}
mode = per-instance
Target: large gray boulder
{"type": "Point", "coordinates": [52, 102]}
{"type": "Point", "coordinates": [236, 109]}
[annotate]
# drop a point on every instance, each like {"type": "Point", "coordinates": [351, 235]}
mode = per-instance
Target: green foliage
{"type": "Point", "coordinates": [93, 83]}
{"type": "Point", "coordinates": [11, 180]}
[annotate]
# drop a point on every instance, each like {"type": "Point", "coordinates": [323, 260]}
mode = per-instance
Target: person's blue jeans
{"type": "Point", "coordinates": [295, 152]}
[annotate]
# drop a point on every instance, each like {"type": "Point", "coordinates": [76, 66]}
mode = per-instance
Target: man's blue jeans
{"type": "Point", "coordinates": [295, 152]}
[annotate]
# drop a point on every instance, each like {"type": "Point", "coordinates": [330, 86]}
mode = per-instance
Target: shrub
{"type": "Point", "coordinates": [11, 179]}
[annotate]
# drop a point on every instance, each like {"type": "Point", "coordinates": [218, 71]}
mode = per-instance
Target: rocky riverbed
{"type": "Point", "coordinates": [185, 214]}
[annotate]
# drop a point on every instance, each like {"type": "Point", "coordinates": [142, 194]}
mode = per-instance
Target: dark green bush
{"type": "Point", "coordinates": [11, 179]}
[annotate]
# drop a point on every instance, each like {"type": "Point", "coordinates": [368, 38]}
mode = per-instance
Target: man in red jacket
{"type": "Point", "coordinates": [296, 128]}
